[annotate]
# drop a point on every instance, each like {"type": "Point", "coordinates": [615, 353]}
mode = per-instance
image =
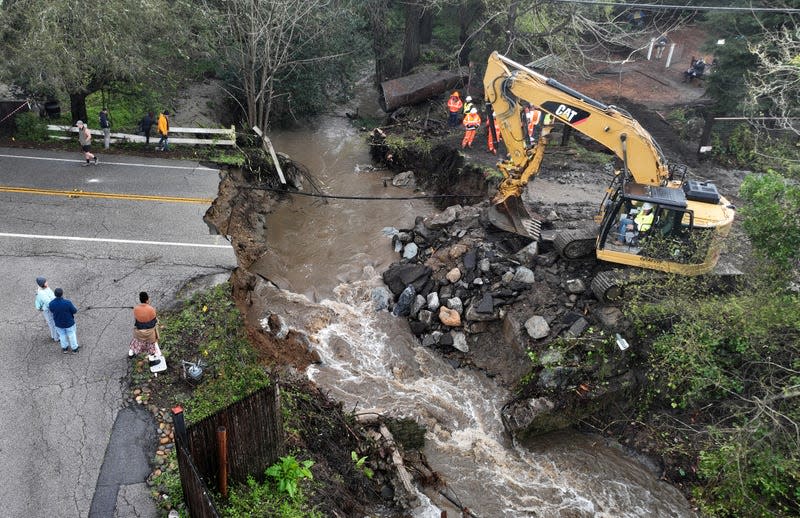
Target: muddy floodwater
{"type": "Point", "coordinates": [330, 255]}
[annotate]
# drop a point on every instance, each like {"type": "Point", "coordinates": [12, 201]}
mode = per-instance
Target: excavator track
{"type": "Point", "coordinates": [575, 244]}
{"type": "Point", "coordinates": [608, 286]}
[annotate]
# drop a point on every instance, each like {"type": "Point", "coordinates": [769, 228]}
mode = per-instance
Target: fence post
{"type": "Point", "coordinates": [180, 428]}
{"type": "Point", "coordinates": [222, 453]}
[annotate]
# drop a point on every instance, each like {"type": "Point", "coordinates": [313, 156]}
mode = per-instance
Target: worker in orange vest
{"type": "Point", "coordinates": [493, 138]}
{"type": "Point", "coordinates": [454, 105]}
{"type": "Point", "coordinates": [471, 122]}
{"type": "Point", "coordinates": [533, 120]}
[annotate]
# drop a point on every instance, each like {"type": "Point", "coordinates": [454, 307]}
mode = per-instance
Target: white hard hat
{"type": "Point", "coordinates": [494, 114]}
{"type": "Point", "coordinates": [469, 98]}
{"type": "Point", "coordinates": [474, 110]}
{"type": "Point", "coordinates": [647, 206]}
{"type": "Point", "coordinates": [79, 124]}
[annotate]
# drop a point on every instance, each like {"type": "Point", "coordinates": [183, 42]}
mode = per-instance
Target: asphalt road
{"type": "Point", "coordinates": [102, 233]}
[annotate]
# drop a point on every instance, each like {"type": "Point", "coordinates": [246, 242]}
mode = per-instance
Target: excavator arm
{"type": "Point", "coordinates": [510, 85]}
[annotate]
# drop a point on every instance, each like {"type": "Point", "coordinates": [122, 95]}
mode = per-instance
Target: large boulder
{"type": "Point", "coordinates": [537, 327]}
{"type": "Point", "coordinates": [404, 179]}
{"type": "Point", "coordinates": [528, 418]}
{"type": "Point", "coordinates": [444, 218]}
{"type": "Point", "coordinates": [398, 276]}
{"type": "Point", "coordinates": [403, 306]}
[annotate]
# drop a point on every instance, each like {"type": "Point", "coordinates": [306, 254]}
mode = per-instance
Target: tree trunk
{"type": "Point", "coordinates": [377, 14]}
{"type": "Point", "coordinates": [77, 105]}
{"type": "Point", "coordinates": [511, 26]}
{"type": "Point", "coordinates": [469, 11]}
{"type": "Point", "coordinates": [412, 37]}
{"type": "Point", "coordinates": [705, 137]}
{"type": "Point", "coordinates": [426, 27]}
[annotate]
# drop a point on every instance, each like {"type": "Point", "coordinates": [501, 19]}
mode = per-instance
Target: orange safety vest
{"type": "Point", "coordinates": [536, 115]}
{"type": "Point", "coordinates": [472, 121]}
{"type": "Point", "coordinates": [454, 104]}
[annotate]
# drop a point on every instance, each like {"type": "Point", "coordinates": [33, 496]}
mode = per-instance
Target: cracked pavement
{"type": "Point", "coordinates": [58, 411]}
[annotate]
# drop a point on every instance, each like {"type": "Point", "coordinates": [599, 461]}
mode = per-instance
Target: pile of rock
{"type": "Point", "coordinates": [451, 281]}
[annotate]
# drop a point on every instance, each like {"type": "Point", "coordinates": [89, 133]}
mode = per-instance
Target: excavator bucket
{"type": "Point", "coordinates": [512, 216]}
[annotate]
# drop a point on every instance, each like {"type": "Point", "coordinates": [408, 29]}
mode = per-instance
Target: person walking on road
{"type": "Point", "coordinates": [85, 139]}
{"type": "Point", "coordinates": [105, 125]}
{"type": "Point", "coordinates": [145, 328]}
{"type": "Point", "coordinates": [163, 130]}
{"type": "Point", "coordinates": [64, 317]}
{"type": "Point", "coordinates": [44, 295]}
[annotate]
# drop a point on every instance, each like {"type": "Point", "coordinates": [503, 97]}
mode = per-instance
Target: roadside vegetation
{"type": "Point", "coordinates": [326, 454]}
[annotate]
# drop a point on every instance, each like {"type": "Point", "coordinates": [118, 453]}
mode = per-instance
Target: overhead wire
{"type": "Point", "coordinates": [366, 198]}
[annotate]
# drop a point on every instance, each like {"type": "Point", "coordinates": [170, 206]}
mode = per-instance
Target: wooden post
{"type": "Point", "coordinates": [222, 452]}
{"type": "Point", "coordinates": [268, 146]}
{"type": "Point", "coordinates": [181, 439]}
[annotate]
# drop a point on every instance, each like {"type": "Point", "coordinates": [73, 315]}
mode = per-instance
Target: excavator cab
{"type": "Point", "coordinates": [672, 242]}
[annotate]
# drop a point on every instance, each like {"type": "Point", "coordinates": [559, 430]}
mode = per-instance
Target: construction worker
{"type": "Point", "coordinates": [468, 105]}
{"type": "Point", "coordinates": [533, 120]}
{"type": "Point", "coordinates": [454, 106]}
{"type": "Point", "coordinates": [493, 139]}
{"type": "Point", "coordinates": [471, 122]}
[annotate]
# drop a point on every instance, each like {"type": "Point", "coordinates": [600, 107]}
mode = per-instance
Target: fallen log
{"type": "Point", "coordinates": [417, 87]}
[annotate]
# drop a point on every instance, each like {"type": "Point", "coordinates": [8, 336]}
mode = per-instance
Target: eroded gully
{"type": "Point", "coordinates": [330, 255]}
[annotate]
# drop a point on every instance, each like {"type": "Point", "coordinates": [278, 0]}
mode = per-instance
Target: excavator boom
{"type": "Point", "coordinates": [683, 209]}
{"type": "Point", "coordinates": [510, 85]}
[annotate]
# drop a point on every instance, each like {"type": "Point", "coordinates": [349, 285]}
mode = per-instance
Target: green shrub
{"type": "Point", "coordinates": [770, 217]}
{"type": "Point", "coordinates": [30, 127]}
{"type": "Point", "coordinates": [288, 473]}
{"type": "Point", "coordinates": [746, 476]}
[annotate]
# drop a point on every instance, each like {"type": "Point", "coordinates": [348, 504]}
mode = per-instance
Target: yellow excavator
{"type": "Point", "coordinates": [686, 220]}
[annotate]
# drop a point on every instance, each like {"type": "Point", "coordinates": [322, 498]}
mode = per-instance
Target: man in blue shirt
{"type": "Point", "coordinates": [63, 311]}
{"type": "Point", "coordinates": [105, 125]}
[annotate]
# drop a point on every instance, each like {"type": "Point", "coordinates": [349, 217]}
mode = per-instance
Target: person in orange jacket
{"type": "Point", "coordinates": [533, 120]}
{"type": "Point", "coordinates": [454, 105]}
{"type": "Point", "coordinates": [493, 139]}
{"type": "Point", "coordinates": [471, 122]}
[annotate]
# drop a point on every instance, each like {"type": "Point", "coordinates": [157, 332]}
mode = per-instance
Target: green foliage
{"type": "Point", "coordinates": [587, 156]}
{"type": "Point", "coordinates": [236, 159]}
{"type": "Point", "coordinates": [255, 500]}
{"type": "Point", "coordinates": [747, 147]}
{"type": "Point", "coordinates": [170, 481]}
{"type": "Point", "coordinates": [289, 472]}
{"type": "Point", "coordinates": [745, 475]}
{"type": "Point", "coordinates": [419, 145]}
{"type": "Point", "coordinates": [127, 103]}
{"type": "Point", "coordinates": [30, 127]}
{"type": "Point", "coordinates": [209, 327]}
{"type": "Point", "coordinates": [770, 217]}
{"type": "Point", "coordinates": [731, 359]}
{"type": "Point", "coordinates": [360, 466]}
{"type": "Point", "coordinates": [679, 120]}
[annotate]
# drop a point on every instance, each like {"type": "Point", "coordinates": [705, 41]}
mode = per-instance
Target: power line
{"type": "Point", "coordinates": [368, 198]}
{"type": "Point", "coordinates": [682, 7]}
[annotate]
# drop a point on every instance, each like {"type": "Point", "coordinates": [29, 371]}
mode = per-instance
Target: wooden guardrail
{"type": "Point", "coordinates": [227, 136]}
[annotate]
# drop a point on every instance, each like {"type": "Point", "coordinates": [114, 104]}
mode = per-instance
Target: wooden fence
{"type": "Point", "coordinates": [255, 441]}
{"type": "Point", "coordinates": [195, 493]}
{"type": "Point", "coordinates": [210, 136]}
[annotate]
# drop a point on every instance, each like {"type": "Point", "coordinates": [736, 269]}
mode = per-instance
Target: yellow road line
{"type": "Point", "coordinates": [112, 196]}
